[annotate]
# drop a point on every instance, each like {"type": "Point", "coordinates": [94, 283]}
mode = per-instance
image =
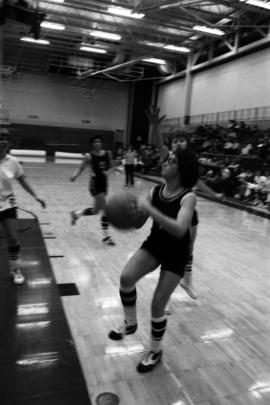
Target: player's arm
{"type": "Point", "coordinates": [26, 186]}
{"type": "Point", "coordinates": [179, 226]}
{"type": "Point", "coordinates": [141, 215]}
{"type": "Point", "coordinates": [86, 161]}
{"type": "Point", "coordinates": [202, 186]}
{"type": "Point", "coordinates": [154, 119]}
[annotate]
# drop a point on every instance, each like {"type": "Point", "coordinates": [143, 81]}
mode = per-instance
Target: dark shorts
{"type": "Point", "coordinates": [169, 260]}
{"type": "Point", "coordinates": [98, 185]}
{"type": "Point", "coordinates": [10, 213]}
{"type": "Point", "coordinates": [195, 218]}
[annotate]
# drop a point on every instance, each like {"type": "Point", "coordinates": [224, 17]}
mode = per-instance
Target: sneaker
{"type": "Point", "coordinates": [149, 361]}
{"type": "Point", "coordinates": [108, 241]}
{"type": "Point", "coordinates": [188, 287]}
{"type": "Point", "coordinates": [123, 330]}
{"type": "Point", "coordinates": [74, 217]}
{"type": "Point", "coordinates": [17, 277]}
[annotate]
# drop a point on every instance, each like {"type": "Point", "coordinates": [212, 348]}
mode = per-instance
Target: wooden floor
{"type": "Point", "coordinates": [216, 349]}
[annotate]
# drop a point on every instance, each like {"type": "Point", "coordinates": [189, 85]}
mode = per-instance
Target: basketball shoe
{"type": "Point", "coordinates": [149, 361]}
{"type": "Point", "coordinates": [187, 285]}
{"type": "Point", "coordinates": [17, 277]}
{"type": "Point", "coordinates": [74, 217]}
{"type": "Point", "coordinates": [108, 241]}
{"type": "Point", "coordinates": [122, 330]}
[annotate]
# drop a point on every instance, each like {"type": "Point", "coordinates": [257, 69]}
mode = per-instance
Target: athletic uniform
{"type": "Point", "coordinates": [98, 180]}
{"type": "Point", "coordinates": [172, 252]}
{"type": "Point", "coordinates": [10, 169]}
{"type": "Point", "coordinates": [195, 217]}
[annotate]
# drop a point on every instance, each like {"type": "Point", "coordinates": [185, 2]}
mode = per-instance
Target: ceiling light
{"type": "Point", "coordinates": [124, 12]}
{"type": "Point", "coordinates": [208, 30]}
{"type": "Point", "coordinates": [177, 48]}
{"type": "Point", "coordinates": [156, 44]}
{"type": "Point", "coordinates": [178, 3]}
{"type": "Point", "coordinates": [168, 47]}
{"type": "Point", "coordinates": [35, 41]}
{"type": "Point", "coordinates": [58, 1]}
{"type": "Point", "coordinates": [105, 35]}
{"type": "Point", "coordinates": [52, 26]}
{"type": "Point", "coordinates": [92, 49]}
{"type": "Point", "coordinates": [257, 3]}
{"type": "Point", "coordinates": [155, 60]}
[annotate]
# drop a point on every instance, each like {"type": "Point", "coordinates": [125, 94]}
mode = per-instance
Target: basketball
{"type": "Point", "coordinates": [122, 211]}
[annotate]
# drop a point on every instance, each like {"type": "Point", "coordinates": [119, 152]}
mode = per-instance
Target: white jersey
{"type": "Point", "coordinates": [10, 169]}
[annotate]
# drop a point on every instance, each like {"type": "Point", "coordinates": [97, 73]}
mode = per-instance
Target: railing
{"type": "Point", "coordinates": [222, 117]}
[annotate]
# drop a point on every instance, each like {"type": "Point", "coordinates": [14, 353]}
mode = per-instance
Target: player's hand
{"type": "Point", "coordinates": [220, 197]}
{"type": "Point", "coordinates": [152, 113]}
{"type": "Point", "coordinates": [41, 202]}
{"type": "Point", "coordinates": [73, 178]}
{"type": "Point", "coordinates": [143, 205]}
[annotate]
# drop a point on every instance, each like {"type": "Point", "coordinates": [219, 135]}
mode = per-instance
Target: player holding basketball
{"type": "Point", "coordinates": [180, 140]}
{"type": "Point", "coordinates": [171, 206]}
{"type": "Point", "coordinates": [99, 162]}
{"type": "Point", "coordinates": [10, 169]}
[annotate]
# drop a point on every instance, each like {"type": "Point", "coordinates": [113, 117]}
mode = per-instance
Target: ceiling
{"type": "Point", "coordinates": [165, 23]}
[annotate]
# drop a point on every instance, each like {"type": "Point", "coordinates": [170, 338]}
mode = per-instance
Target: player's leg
{"type": "Point", "coordinates": [11, 234]}
{"type": "Point", "coordinates": [76, 214]}
{"type": "Point", "coordinates": [167, 283]}
{"type": "Point", "coordinates": [140, 264]}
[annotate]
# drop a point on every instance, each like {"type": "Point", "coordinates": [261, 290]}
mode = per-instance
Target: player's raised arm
{"type": "Point", "coordinates": [154, 119]}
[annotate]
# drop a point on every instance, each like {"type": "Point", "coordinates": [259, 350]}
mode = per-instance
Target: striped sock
{"type": "Point", "coordinates": [14, 257]}
{"type": "Point", "coordinates": [158, 328]}
{"type": "Point", "coordinates": [104, 225]}
{"type": "Point", "coordinates": [128, 297]}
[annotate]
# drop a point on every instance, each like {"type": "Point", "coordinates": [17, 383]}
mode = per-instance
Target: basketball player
{"type": "Point", "coordinates": [99, 162]}
{"type": "Point", "coordinates": [180, 139]}
{"type": "Point", "coordinates": [171, 205]}
{"type": "Point", "coordinates": [10, 169]}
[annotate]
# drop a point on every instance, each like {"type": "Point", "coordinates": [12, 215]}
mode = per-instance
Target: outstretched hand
{"type": "Point", "coordinates": [152, 113]}
{"type": "Point", "coordinates": [41, 202]}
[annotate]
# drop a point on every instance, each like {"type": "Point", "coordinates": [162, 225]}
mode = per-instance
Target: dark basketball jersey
{"type": "Point", "coordinates": [169, 207]}
{"type": "Point", "coordinates": [100, 163]}
{"type": "Point", "coordinates": [171, 251]}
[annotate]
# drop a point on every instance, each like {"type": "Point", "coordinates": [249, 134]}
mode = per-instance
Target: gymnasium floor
{"type": "Point", "coordinates": [217, 348]}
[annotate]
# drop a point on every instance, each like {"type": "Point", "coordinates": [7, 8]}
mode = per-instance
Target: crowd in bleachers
{"type": "Point", "coordinates": [235, 160]}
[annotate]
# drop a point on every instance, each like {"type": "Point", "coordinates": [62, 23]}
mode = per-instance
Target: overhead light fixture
{"type": "Point", "coordinates": [58, 1]}
{"type": "Point", "coordinates": [181, 49]}
{"type": "Point", "coordinates": [155, 60]}
{"type": "Point", "coordinates": [155, 44]}
{"type": "Point", "coordinates": [257, 3]}
{"type": "Point", "coordinates": [208, 30]}
{"type": "Point", "coordinates": [52, 26]}
{"type": "Point", "coordinates": [173, 48]}
{"type": "Point", "coordinates": [125, 12]}
{"type": "Point", "coordinates": [35, 41]}
{"type": "Point", "coordinates": [178, 3]}
{"type": "Point", "coordinates": [105, 35]}
{"type": "Point", "coordinates": [92, 49]}
{"type": "Point", "coordinates": [224, 21]}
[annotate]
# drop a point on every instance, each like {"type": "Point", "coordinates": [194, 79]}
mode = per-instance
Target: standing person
{"type": "Point", "coordinates": [99, 162]}
{"type": "Point", "coordinates": [171, 205]}
{"type": "Point", "coordinates": [129, 164]}
{"type": "Point", "coordinates": [180, 140]}
{"type": "Point", "coordinates": [10, 169]}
